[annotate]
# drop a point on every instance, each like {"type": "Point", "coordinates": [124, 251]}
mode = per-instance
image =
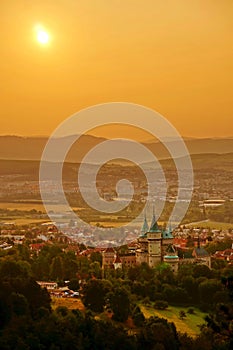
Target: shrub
{"type": "Point", "coordinates": [191, 311]}
{"type": "Point", "coordinates": [161, 304]}
{"type": "Point", "coordinates": [146, 301]}
{"type": "Point", "coordinates": [138, 317]}
{"type": "Point", "coordinates": [182, 314]}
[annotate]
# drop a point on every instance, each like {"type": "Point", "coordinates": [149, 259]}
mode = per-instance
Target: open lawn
{"type": "Point", "coordinates": [24, 206]}
{"type": "Point", "coordinates": [116, 222]}
{"type": "Point", "coordinates": [25, 221]}
{"type": "Point", "coordinates": [109, 223]}
{"type": "Point", "coordinates": [188, 325]}
{"type": "Point", "coordinates": [70, 303]}
{"type": "Point", "coordinates": [211, 224]}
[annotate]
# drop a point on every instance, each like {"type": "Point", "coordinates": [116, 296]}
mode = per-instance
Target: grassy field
{"type": "Point", "coordinates": [188, 325]}
{"type": "Point", "coordinates": [70, 303]}
{"type": "Point", "coordinates": [111, 223]}
{"type": "Point", "coordinates": [26, 206]}
{"type": "Point", "coordinates": [22, 206]}
{"type": "Point", "coordinates": [211, 224]}
{"type": "Point", "coordinates": [25, 221]}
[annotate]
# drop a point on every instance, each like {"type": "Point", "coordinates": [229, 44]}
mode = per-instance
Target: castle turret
{"type": "Point", "coordinates": [171, 258]}
{"type": "Point", "coordinates": [154, 237]}
{"type": "Point", "coordinates": [167, 239]}
{"type": "Point", "coordinates": [154, 225]}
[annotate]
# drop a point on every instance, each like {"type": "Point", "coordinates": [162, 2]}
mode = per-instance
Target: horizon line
{"type": "Point", "coordinates": [103, 137]}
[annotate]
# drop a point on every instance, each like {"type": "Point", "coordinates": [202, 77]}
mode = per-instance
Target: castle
{"type": "Point", "coordinates": [154, 245]}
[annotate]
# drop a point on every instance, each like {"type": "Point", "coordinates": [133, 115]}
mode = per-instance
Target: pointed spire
{"type": "Point", "coordinates": [145, 227]}
{"type": "Point", "coordinates": [154, 226]}
{"type": "Point", "coordinates": [153, 217]}
{"type": "Point", "coordinates": [170, 227]}
{"type": "Point", "coordinates": [167, 232]}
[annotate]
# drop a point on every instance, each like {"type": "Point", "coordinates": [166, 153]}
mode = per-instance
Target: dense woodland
{"type": "Point", "coordinates": [28, 322]}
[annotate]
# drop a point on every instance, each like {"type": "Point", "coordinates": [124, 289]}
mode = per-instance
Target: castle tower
{"type": "Point", "coordinates": [154, 237]}
{"type": "Point", "coordinates": [142, 252]}
{"type": "Point", "coordinates": [171, 258]}
{"type": "Point", "coordinates": [167, 239]}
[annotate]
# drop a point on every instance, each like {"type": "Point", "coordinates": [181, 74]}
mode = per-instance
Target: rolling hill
{"type": "Point", "coordinates": [31, 148]}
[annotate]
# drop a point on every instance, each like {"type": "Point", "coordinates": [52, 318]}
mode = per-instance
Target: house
{"type": "Point", "coordinates": [201, 256]}
{"type": "Point", "coordinates": [47, 285]}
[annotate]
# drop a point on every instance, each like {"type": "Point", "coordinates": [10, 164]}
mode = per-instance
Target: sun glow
{"type": "Point", "coordinates": [42, 35]}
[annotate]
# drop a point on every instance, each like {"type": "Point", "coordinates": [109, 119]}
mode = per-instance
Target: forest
{"type": "Point", "coordinates": [28, 320]}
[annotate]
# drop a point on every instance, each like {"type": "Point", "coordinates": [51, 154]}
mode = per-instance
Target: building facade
{"type": "Point", "coordinates": [155, 245]}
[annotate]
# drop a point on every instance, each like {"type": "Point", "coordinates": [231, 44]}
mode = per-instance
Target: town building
{"type": "Point", "coordinates": [48, 285]}
{"type": "Point", "coordinates": [111, 259]}
{"type": "Point", "coordinates": [201, 256]}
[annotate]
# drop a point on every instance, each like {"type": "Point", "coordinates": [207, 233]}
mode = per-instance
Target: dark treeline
{"type": "Point", "coordinates": [27, 320]}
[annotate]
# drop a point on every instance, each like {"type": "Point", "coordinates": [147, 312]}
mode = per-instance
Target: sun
{"type": "Point", "coordinates": [42, 35]}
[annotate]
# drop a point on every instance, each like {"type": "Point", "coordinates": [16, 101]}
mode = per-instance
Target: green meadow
{"type": "Point", "coordinates": [190, 324]}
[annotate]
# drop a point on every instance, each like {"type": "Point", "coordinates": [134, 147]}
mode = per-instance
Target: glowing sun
{"type": "Point", "coordinates": [42, 35]}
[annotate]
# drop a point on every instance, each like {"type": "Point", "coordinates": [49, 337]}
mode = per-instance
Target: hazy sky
{"type": "Point", "coordinates": [175, 56]}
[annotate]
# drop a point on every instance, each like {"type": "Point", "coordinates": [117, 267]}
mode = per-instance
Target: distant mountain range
{"type": "Point", "coordinates": [28, 170]}
{"type": "Point", "coordinates": [31, 148]}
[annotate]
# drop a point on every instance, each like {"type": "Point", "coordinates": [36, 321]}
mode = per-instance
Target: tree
{"type": "Point", "coordinates": [218, 264]}
{"type": "Point", "coordinates": [10, 269]}
{"type": "Point", "coordinates": [184, 270]}
{"type": "Point", "coordinates": [95, 269]}
{"type": "Point", "coordinates": [138, 316]}
{"type": "Point", "coordinates": [221, 297]}
{"type": "Point", "coordinates": [19, 304]}
{"type": "Point", "coordinates": [41, 267]}
{"type": "Point", "coordinates": [74, 284]}
{"type": "Point", "coordinates": [158, 333]}
{"type": "Point", "coordinates": [94, 294]}
{"type": "Point", "coordinates": [207, 290]}
{"type": "Point", "coordinates": [56, 270]}
{"type": "Point", "coordinates": [120, 304]}
{"type": "Point", "coordinates": [70, 265]}
{"type": "Point", "coordinates": [202, 271]}
{"type": "Point", "coordinates": [190, 284]}
{"type": "Point", "coordinates": [164, 273]}
{"type": "Point", "coordinates": [219, 328]}
{"type": "Point", "coordinates": [161, 304]}
{"type": "Point", "coordinates": [150, 290]}
{"type": "Point", "coordinates": [96, 256]}
{"type": "Point", "coordinates": [191, 311]}
{"type": "Point", "coordinates": [146, 301]}
{"type": "Point", "coordinates": [175, 294]}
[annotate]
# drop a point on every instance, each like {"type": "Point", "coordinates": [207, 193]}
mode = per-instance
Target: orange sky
{"type": "Point", "coordinates": [173, 56]}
